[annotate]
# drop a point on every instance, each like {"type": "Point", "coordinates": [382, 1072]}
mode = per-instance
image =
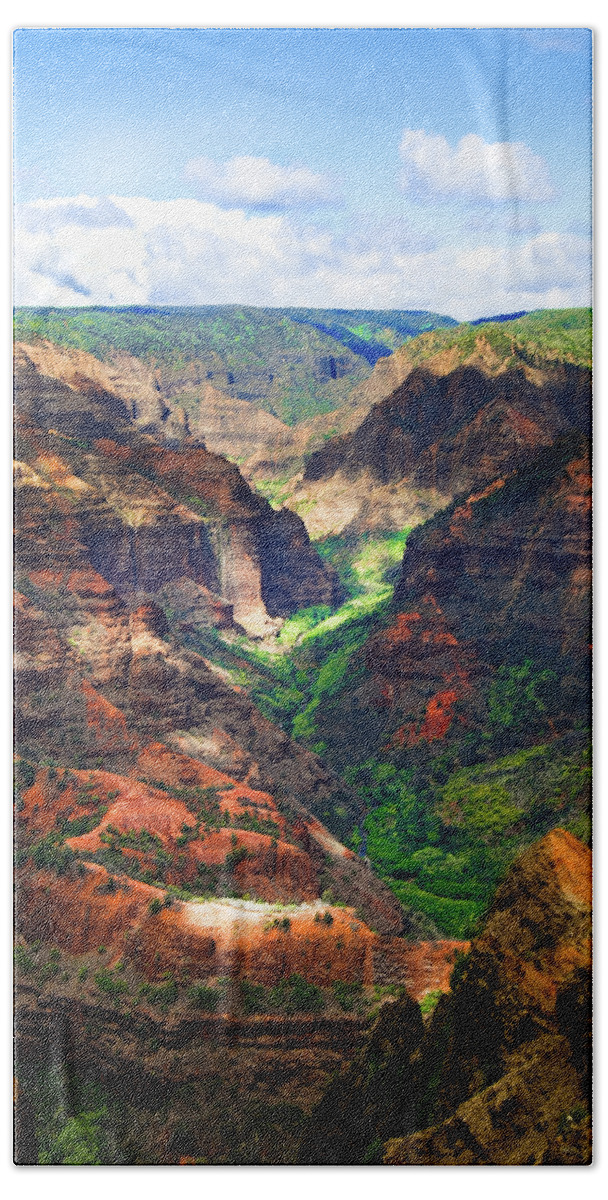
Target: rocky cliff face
{"type": "Point", "coordinates": [460, 430]}
{"type": "Point", "coordinates": [500, 1073]}
{"type": "Point", "coordinates": [429, 431]}
{"type": "Point", "coordinates": [528, 540]}
{"type": "Point", "coordinates": [499, 580]}
{"type": "Point", "coordinates": [152, 512]}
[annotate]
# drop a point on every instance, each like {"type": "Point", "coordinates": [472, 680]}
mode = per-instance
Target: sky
{"type": "Point", "coordinates": [443, 169]}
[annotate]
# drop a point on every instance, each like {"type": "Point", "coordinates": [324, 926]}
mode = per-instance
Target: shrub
{"type": "Point", "coordinates": [155, 905]}
{"type": "Point", "coordinates": [23, 960]}
{"type": "Point", "coordinates": [52, 854]}
{"type": "Point", "coordinates": [296, 994]}
{"type": "Point", "coordinates": [252, 996]}
{"type": "Point", "coordinates": [236, 856]}
{"type": "Point", "coordinates": [205, 998]}
{"type": "Point", "coordinates": [78, 1143]}
{"type": "Point", "coordinates": [347, 993]}
{"type": "Point", "coordinates": [111, 984]}
{"type": "Point", "coordinates": [163, 993]}
{"type": "Point", "coordinates": [519, 699]}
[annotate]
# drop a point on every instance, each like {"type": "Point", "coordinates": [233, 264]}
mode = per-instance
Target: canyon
{"type": "Point", "coordinates": [282, 838]}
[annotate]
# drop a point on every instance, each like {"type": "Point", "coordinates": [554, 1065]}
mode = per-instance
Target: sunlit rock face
{"type": "Point", "coordinates": [153, 511]}
{"type": "Point", "coordinates": [109, 520]}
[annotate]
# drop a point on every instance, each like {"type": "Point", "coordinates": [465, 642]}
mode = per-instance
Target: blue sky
{"type": "Point", "coordinates": [413, 168]}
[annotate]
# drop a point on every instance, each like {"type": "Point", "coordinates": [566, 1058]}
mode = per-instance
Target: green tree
{"type": "Point", "coordinates": [519, 702]}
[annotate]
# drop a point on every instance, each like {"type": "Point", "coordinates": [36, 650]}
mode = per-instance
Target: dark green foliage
{"type": "Point", "coordinates": [74, 1121]}
{"type": "Point", "coordinates": [109, 982]}
{"type": "Point", "coordinates": [290, 996]}
{"type": "Point", "coordinates": [326, 919]}
{"type": "Point", "coordinates": [137, 839]}
{"type": "Point", "coordinates": [155, 905]}
{"type": "Point", "coordinates": [77, 1143]}
{"type": "Point", "coordinates": [250, 821]}
{"type": "Point", "coordinates": [252, 996]}
{"type": "Point", "coordinates": [23, 959]}
{"type": "Point", "coordinates": [51, 853]}
{"type": "Point", "coordinates": [295, 995]}
{"type": "Point", "coordinates": [205, 998]}
{"type": "Point", "coordinates": [202, 802]}
{"type": "Point", "coordinates": [347, 994]}
{"type": "Point", "coordinates": [236, 856]}
{"type": "Point", "coordinates": [163, 993]}
{"type": "Point", "coordinates": [24, 774]}
{"type": "Point", "coordinates": [77, 826]}
{"type": "Point", "coordinates": [537, 338]}
{"type": "Point", "coordinates": [519, 699]}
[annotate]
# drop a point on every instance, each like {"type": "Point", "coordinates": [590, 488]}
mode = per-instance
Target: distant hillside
{"type": "Point", "coordinates": [370, 333]}
{"type": "Point", "coordinates": [500, 317]}
{"type": "Point", "coordinates": [293, 363]}
{"type": "Point", "coordinates": [534, 340]}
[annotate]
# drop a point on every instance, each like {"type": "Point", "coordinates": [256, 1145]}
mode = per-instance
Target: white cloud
{"type": "Point", "coordinates": [51, 215]}
{"type": "Point", "coordinates": [258, 183]}
{"type": "Point", "coordinates": [187, 252]}
{"type": "Point", "coordinates": [496, 172]}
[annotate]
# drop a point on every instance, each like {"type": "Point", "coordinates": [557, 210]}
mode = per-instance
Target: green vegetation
{"type": "Point", "coordinates": [52, 853]}
{"type": "Point", "coordinates": [518, 701]}
{"type": "Point", "coordinates": [440, 825]}
{"type": "Point", "coordinates": [77, 1143]}
{"type": "Point", "coordinates": [455, 918]}
{"type": "Point", "coordinates": [290, 996]}
{"type": "Point", "coordinates": [292, 370]}
{"type": "Point", "coordinates": [23, 959]}
{"type": "Point", "coordinates": [429, 1003]}
{"type": "Point", "coordinates": [110, 983]}
{"type": "Point", "coordinates": [74, 1121]}
{"type": "Point", "coordinates": [347, 994]}
{"type": "Point", "coordinates": [162, 994]}
{"type": "Point", "coordinates": [294, 363]}
{"type": "Point", "coordinates": [539, 338]}
{"type": "Point", "coordinates": [319, 646]}
{"type": "Point", "coordinates": [368, 332]}
{"type": "Point", "coordinates": [205, 998]}
{"type": "Point", "coordinates": [444, 838]}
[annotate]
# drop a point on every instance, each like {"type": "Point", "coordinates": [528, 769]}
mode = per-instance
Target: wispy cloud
{"type": "Point", "coordinates": [189, 252]}
{"type": "Point", "coordinates": [495, 172]}
{"type": "Point", "coordinates": [259, 184]}
{"type": "Point", "coordinates": [85, 211]}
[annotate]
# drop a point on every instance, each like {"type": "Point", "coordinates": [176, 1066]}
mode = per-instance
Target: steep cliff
{"type": "Point", "coordinates": [528, 539]}
{"type": "Point", "coordinates": [499, 1075]}
{"type": "Point", "coordinates": [155, 511]}
{"type": "Point", "coordinates": [438, 436]}
{"type": "Point", "coordinates": [499, 579]}
{"type": "Point", "coordinates": [450, 410]}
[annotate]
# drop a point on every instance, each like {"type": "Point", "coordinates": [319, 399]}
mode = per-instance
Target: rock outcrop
{"type": "Point", "coordinates": [151, 512]}
{"type": "Point", "coordinates": [498, 579]}
{"type": "Point", "coordinates": [435, 437]}
{"type": "Point", "coordinates": [528, 539]}
{"type": "Point", "coordinates": [499, 1075]}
